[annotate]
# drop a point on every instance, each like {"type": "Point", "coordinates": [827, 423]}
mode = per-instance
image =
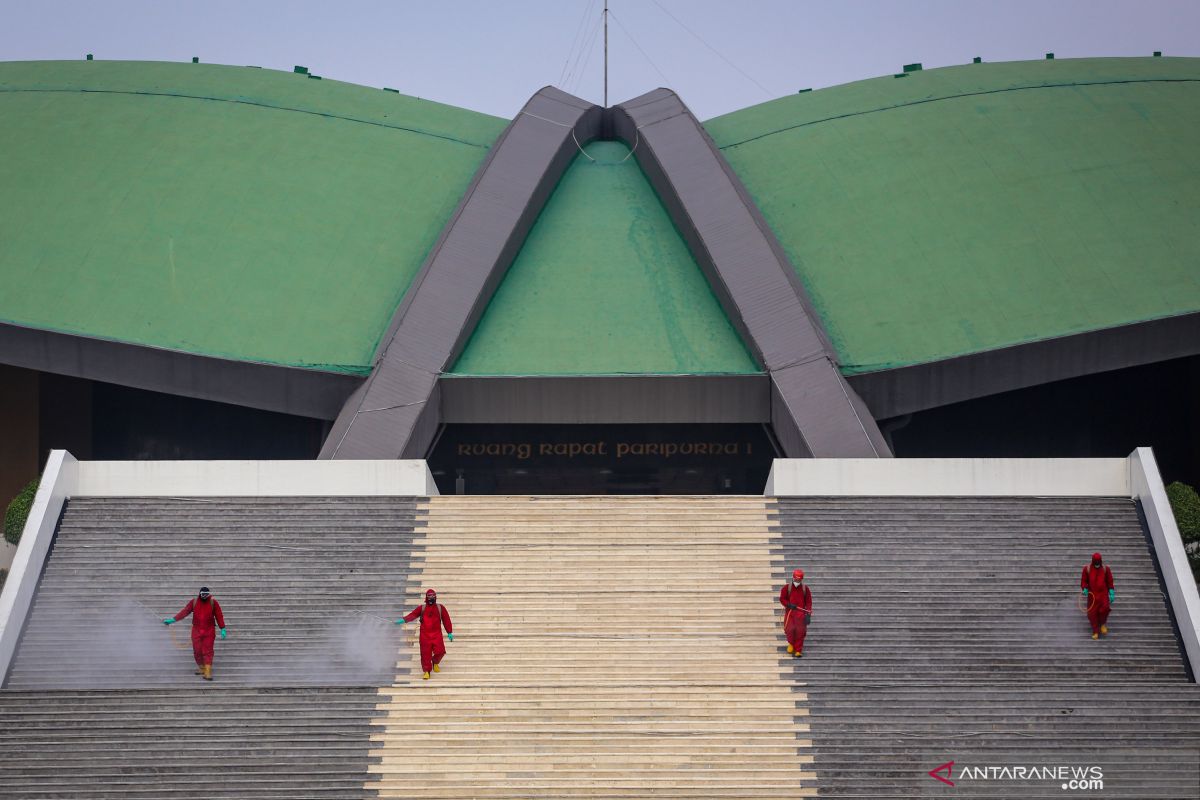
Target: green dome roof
{"type": "Point", "coordinates": [958, 210]}
{"type": "Point", "coordinates": [270, 217]}
{"type": "Point", "coordinates": [227, 211]}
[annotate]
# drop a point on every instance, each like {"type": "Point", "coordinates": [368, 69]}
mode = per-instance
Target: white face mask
{"type": "Point", "coordinates": [796, 583]}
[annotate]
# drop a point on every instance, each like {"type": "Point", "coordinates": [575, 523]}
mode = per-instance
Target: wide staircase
{"type": "Point", "coordinates": [950, 629]}
{"type": "Point", "coordinates": [307, 587]}
{"type": "Point", "coordinates": [604, 647]}
{"type": "Point", "coordinates": [612, 647]}
{"type": "Point", "coordinates": [101, 700]}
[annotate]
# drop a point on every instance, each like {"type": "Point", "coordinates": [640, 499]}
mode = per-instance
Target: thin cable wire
{"type": "Point", "coordinates": [576, 56]}
{"type": "Point", "coordinates": [563, 125]}
{"type": "Point", "coordinates": [645, 55]}
{"type": "Point", "coordinates": [579, 29]}
{"type": "Point", "coordinates": [588, 60]}
{"type": "Point", "coordinates": [585, 48]}
{"type": "Point", "coordinates": [700, 39]}
{"type": "Point", "coordinates": [637, 132]}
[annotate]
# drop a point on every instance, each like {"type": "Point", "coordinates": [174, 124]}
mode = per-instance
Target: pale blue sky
{"type": "Point", "coordinates": [491, 56]}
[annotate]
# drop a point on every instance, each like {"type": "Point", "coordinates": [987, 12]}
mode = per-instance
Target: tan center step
{"type": "Point", "coordinates": [604, 647]}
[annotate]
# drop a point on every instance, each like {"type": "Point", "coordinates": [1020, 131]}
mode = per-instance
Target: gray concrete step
{"type": "Point", "coordinates": [947, 628]}
{"type": "Point", "coordinates": [944, 628]}
{"type": "Point", "coordinates": [306, 602]}
{"type": "Point", "coordinates": [205, 741]}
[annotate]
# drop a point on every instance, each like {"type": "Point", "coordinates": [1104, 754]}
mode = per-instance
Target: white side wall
{"type": "Point", "coordinates": [1147, 486]}
{"type": "Point", "coordinates": [950, 477]}
{"type": "Point", "coordinates": [7, 553]}
{"type": "Point", "coordinates": [59, 480]}
{"type": "Point", "coordinates": [254, 478]}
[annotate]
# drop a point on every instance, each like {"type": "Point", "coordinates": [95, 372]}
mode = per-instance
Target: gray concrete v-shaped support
{"type": "Point", "coordinates": [396, 412]}
{"type": "Point", "coordinates": [813, 409]}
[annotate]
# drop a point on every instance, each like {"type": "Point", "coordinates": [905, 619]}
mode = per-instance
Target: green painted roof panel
{"type": "Point", "coordinates": [969, 208]}
{"type": "Point", "coordinates": [604, 285]}
{"type": "Point", "coordinates": [233, 212]}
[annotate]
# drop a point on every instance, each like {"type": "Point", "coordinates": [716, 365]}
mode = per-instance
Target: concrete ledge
{"type": "Point", "coordinates": [254, 478]}
{"type": "Point", "coordinates": [905, 390]}
{"type": "Point", "coordinates": [949, 477]}
{"type": "Point", "coordinates": [1147, 487]}
{"type": "Point", "coordinates": [59, 480]}
{"type": "Point", "coordinates": [287, 390]}
{"type": "Point", "coordinates": [608, 399]}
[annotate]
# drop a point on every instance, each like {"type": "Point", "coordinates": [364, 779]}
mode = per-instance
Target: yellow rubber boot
{"type": "Point", "coordinates": [208, 672]}
{"type": "Point", "coordinates": [424, 676]}
{"type": "Point", "coordinates": [1104, 629]}
{"type": "Point", "coordinates": [436, 668]}
{"type": "Point", "coordinates": [791, 649]}
{"type": "Point", "coordinates": [1095, 636]}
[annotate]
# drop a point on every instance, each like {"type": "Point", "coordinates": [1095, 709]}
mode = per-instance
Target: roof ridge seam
{"type": "Point", "coordinates": [923, 101]}
{"type": "Point", "coordinates": [255, 104]}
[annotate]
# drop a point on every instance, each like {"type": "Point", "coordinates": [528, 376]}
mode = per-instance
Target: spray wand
{"type": "Point", "coordinates": [170, 630]}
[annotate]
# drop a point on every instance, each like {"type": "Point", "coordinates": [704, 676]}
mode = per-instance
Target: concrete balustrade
{"type": "Point", "coordinates": [949, 477]}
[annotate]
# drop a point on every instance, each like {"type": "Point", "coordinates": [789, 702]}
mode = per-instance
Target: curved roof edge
{"type": "Point", "coordinates": [265, 88]}
{"type": "Point", "coordinates": [906, 390]}
{"type": "Point", "coordinates": [269, 387]}
{"type": "Point", "coordinates": [884, 93]}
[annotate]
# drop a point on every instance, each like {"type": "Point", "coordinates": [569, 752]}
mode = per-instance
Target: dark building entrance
{"type": "Point", "coordinates": [41, 411]}
{"type": "Point", "coordinates": [1094, 416]}
{"type": "Point", "coordinates": [602, 459]}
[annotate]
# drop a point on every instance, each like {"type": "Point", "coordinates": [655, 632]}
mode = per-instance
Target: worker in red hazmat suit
{"type": "Point", "coordinates": [205, 611]}
{"type": "Point", "coordinates": [433, 617]}
{"type": "Point", "coordinates": [796, 600]}
{"type": "Point", "coordinates": [1098, 595]}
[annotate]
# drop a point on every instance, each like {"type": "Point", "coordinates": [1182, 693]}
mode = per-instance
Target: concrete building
{"type": "Point", "coordinates": [227, 262]}
{"type": "Point", "coordinates": [377, 304]}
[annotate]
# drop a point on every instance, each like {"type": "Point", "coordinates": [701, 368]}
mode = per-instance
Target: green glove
{"type": "Point", "coordinates": [1085, 592]}
{"type": "Point", "coordinates": [1112, 595]}
{"type": "Point", "coordinates": [451, 635]}
{"type": "Point", "coordinates": [401, 621]}
{"type": "Point", "coordinates": [169, 621]}
{"type": "Point", "coordinates": [222, 633]}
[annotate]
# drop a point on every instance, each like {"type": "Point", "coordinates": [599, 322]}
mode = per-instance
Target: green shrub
{"type": "Point", "coordinates": [18, 512]}
{"type": "Point", "coordinates": [1185, 505]}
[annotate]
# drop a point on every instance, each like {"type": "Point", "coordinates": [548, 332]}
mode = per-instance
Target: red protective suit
{"type": "Point", "coordinates": [795, 624]}
{"type": "Point", "coordinates": [1097, 582]}
{"type": "Point", "coordinates": [433, 617]}
{"type": "Point", "coordinates": [203, 612]}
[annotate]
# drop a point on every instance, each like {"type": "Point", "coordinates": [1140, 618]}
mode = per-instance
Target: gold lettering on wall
{"type": "Point", "coordinates": [570, 450]}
